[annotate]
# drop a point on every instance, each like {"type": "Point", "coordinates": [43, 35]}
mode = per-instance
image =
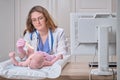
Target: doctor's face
{"type": "Point", "coordinates": [38, 21]}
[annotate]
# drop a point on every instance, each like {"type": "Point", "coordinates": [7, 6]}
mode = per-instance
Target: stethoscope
{"type": "Point", "coordinates": [37, 34]}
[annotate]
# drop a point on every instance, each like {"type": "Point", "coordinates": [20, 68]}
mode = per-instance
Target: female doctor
{"type": "Point", "coordinates": [42, 34]}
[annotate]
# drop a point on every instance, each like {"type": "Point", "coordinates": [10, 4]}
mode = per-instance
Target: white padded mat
{"type": "Point", "coordinates": [8, 70]}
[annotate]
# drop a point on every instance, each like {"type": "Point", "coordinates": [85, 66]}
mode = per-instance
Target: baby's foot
{"type": "Point", "coordinates": [20, 64]}
{"type": "Point", "coordinates": [12, 54]}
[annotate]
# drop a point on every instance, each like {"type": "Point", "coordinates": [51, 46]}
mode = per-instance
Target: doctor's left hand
{"type": "Point", "coordinates": [30, 51]}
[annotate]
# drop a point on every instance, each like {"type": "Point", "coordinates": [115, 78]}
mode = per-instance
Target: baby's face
{"type": "Point", "coordinates": [37, 61]}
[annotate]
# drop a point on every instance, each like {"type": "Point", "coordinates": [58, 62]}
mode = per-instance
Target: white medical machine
{"type": "Point", "coordinates": [97, 29]}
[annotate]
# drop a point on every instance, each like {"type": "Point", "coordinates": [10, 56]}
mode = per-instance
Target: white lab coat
{"type": "Point", "coordinates": [59, 45]}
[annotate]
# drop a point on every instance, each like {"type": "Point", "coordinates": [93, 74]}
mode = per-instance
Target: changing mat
{"type": "Point", "coordinates": [8, 70]}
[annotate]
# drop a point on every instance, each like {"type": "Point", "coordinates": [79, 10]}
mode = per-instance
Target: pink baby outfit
{"type": "Point", "coordinates": [47, 56]}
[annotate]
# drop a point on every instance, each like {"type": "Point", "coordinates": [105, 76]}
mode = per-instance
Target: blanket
{"type": "Point", "coordinates": [8, 70]}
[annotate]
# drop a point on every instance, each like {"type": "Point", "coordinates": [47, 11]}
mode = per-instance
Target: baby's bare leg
{"type": "Point", "coordinates": [12, 57]}
{"type": "Point", "coordinates": [27, 62]}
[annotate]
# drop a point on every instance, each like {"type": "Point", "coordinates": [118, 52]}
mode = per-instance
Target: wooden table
{"type": "Point", "coordinates": [79, 71]}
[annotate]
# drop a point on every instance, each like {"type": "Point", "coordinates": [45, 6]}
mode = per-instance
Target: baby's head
{"type": "Point", "coordinates": [37, 61]}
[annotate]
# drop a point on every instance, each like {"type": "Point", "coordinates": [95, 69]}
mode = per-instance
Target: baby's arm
{"type": "Point", "coordinates": [12, 57]}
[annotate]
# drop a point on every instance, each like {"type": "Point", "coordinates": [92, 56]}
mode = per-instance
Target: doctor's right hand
{"type": "Point", "coordinates": [20, 45]}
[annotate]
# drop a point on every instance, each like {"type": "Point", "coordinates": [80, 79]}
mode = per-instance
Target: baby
{"type": "Point", "coordinates": [36, 60]}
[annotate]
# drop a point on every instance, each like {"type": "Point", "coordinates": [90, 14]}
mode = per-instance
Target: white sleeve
{"type": "Point", "coordinates": [61, 46]}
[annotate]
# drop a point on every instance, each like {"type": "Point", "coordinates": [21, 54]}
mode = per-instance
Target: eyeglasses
{"type": "Point", "coordinates": [37, 19]}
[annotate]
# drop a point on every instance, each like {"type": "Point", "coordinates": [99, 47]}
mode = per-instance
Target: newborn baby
{"type": "Point", "coordinates": [36, 60]}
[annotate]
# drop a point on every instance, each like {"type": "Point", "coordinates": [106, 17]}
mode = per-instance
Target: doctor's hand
{"type": "Point", "coordinates": [30, 51]}
{"type": "Point", "coordinates": [20, 44]}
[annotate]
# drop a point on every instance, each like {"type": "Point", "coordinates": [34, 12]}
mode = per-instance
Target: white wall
{"type": "Point", "coordinates": [59, 9]}
{"type": "Point", "coordinates": [22, 8]}
{"type": "Point", "coordinates": [93, 6]}
{"type": "Point", "coordinates": [118, 40]}
{"type": "Point", "coordinates": [7, 28]}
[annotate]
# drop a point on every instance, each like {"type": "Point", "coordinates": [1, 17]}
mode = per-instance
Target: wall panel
{"type": "Point", "coordinates": [7, 28]}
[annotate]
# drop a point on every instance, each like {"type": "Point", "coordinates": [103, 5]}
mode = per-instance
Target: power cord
{"type": "Point", "coordinates": [90, 76]}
